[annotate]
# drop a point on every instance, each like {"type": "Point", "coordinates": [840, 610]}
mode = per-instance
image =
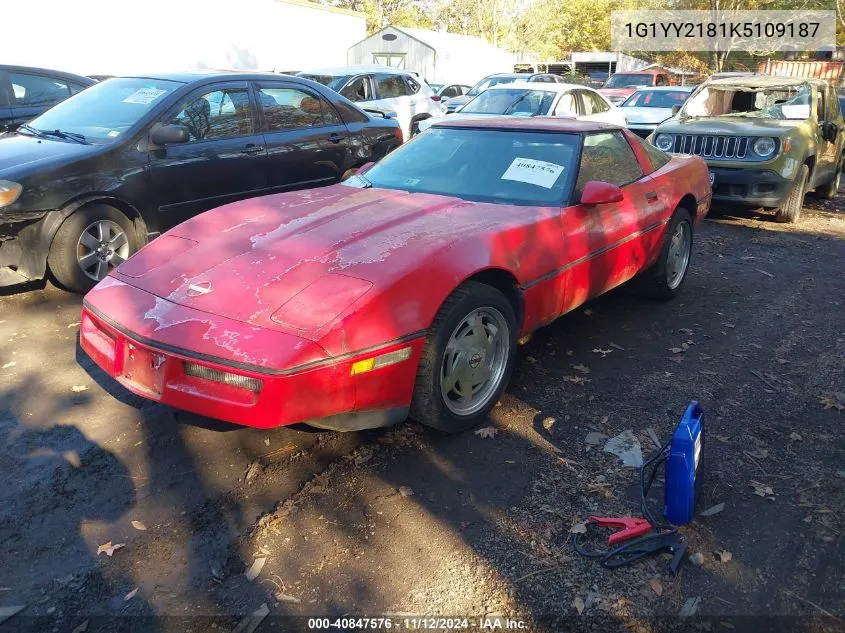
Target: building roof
{"type": "Point", "coordinates": [525, 124]}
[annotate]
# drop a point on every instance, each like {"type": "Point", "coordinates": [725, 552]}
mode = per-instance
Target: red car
{"type": "Point", "coordinates": [402, 291]}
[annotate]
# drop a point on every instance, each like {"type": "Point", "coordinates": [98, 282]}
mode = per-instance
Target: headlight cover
{"type": "Point", "coordinates": [9, 192]}
{"type": "Point", "coordinates": [764, 146]}
{"type": "Point", "coordinates": [663, 142]}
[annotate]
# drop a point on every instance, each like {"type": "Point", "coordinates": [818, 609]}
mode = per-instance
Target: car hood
{"type": "Point", "coordinates": [637, 115]}
{"type": "Point", "coordinates": [295, 261]}
{"type": "Point", "coordinates": [21, 155]}
{"type": "Point", "coordinates": [752, 126]}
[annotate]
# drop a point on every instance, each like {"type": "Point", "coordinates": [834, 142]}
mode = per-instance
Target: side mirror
{"type": "Point", "coordinates": [830, 132]}
{"type": "Point", "coordinates": [600, 192]}
{"type": "Point", "coordinates": [675, 109]}
{"type": "Point", "coordinates": [170, 135]}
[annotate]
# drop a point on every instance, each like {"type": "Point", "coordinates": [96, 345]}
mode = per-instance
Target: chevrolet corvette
{"type": "Point", "coordinates": [402, 291]}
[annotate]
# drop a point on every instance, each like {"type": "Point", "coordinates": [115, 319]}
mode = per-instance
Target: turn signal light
{"type": "Point", "coordinates": [9, 192]}
{"type": "Point", "coordinates": [376, 362]}
{"type": "Point", "coordinates": [225, 377]}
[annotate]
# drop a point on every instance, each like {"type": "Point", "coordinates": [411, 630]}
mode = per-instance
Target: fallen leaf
{"type": "Point", "coordinates": [72, 458]}
{"type": "Point", "coordinates": [656, 586]}
{"type": "Point", "coordinates": [249, 623]}
{"type": "Point", "coordinates": [762, 490]}
{"type": "Point", "coordinates": [578, 603]}
{"type": "Point", "coordinates": [487, 432]}
{"type": "Point", "coordinates": [578, 380]}
{"type": "Point", "coordinates": [109, 549]}
{"type": "Point", "coordinates": [548, 423]}
{"type": "Point", "coordinates": [267, 441]}
{"type": "Point", "coordinates": [603, 352]}
{"type": "Point", "coordinates": [782, 361]}
{"type": "Point", "coordinates": [280, 597]}
{"type": "Point", "coordinates": [7, 365]}
{"type": "Point", "coordinates": [138, 525]}
{"type": "Point", "coordinates": [257, 565]}
{"type": "Point", "coordinates": [729, 325]}
{"type": "Point", "coordinates": [588, 312]}
{"type": "Point", "coordinates": [677, 350]}
{"type": "Point", "coordinates": [723, 438]}
{"type": "Point", "coordinates": [579, 528]}
{"type": "Point", "coordinates": [531, 359]}
{"type": "Point", "coordinates": [724, 555]}
{"type": "Point", "coordinates": [685, 330]}
{"type": "Point", "coordinates": [78, 388]}
{"type": "Point", "coordinates": [74, 324]}
{"type": "Point", "coordinates": [795, 437]}
{"type": "Point", "coordinates": [758, 453]}
{"type": "Point", "coordinates": [581, 368]}
{"type": "Point", "coordinates": [697, 559]}
{"type": "Point", "coordinates": [760, 270]}
{"type": "Point", "coordinates": [130, 595]}
{"type": "Point", "coordinates": [690, 607]}
{"type": "Point", "coordinates": [81, 628]}
{"type": "Point", "coordinates": [830, 402]}
{"type": "Point", "coordinates": [615, 346]}
{"type": "Point", "coordinates": [595, 438]}
{"type": "Point", "coordinates": [676, 359]}
{"type": "Point", "coordinates": [716, 509]}
{"type": "Point", "coordinates": [405, 491]}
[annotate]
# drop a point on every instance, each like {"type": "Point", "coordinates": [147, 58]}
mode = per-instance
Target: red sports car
{"type": "Point", "coordinates": [402, 291]}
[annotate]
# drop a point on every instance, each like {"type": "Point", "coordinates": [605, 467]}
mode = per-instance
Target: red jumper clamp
{"type": "Point", "coordinates": [632, 527]}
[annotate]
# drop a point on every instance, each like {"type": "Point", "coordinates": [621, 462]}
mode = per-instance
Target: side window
{"type": "Point", "coordinates": [412, 85]}
{"type": "Point", "coordinates": [74, 88]}
{"type": "Point", "coordinates": [662, 81]}
{"type": "Point", "coordinates": [219, 114]}
{"type": "Point", "coordinates": [832, 104]}
{"type": "Point", "coordinates": [820, 106]}
{"type": "Point", "coordinates": [566, 105]}
{"type": "Point", "coordinates": [598, 104]}
{"type": "Point", "coordinates": [656, 157]}
{"type": "Point", "coordinates": [358, 89]}
{"type": "Point", "coordinates": [450, 91]}
{"type": "Point", "coordinates": [37, 90]}
{"type": "Point", "coordinates": [350, 114]}
{"type": "Point", "coordinates": [390, 86]}
{"type": "Point", "coordinates": [292, 109]}
{"type": "Point", "coordinates": [607, 156]}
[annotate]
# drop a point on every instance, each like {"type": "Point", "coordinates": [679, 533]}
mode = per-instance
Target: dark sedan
{"type": "Point", "coordinates": [27, 92]}
{"type": "Point", "coordinates": [90, 181]}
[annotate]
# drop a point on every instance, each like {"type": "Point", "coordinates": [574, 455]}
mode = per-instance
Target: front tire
{"type": "Point", "coordinates": [790, 211]}
{"type": "Point", "coordinates": [467, 360]}
{"type": "Point", "coordinates": [663, 281]}
{"type": "Point", "coordinates": [89, 244]}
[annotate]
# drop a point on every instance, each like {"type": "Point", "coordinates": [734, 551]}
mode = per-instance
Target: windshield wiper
{"type": "Point", "coordinates": [31, 130]}
{"type": "Point", "coordinates": [73, 136]}
{"type": "Point", "coordinates": [509, 109]}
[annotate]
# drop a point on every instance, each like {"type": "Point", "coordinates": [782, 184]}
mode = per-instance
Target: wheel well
{"type": "Point", "coordinates": [810, 162]}
{"type": "Point", "coordinates": [124, 207]}
{"type": "Point", "coordinates": [688, 202]}
{"type": "Point", "coordinates": [504, 282]}
{"type": "Point", "coordinates": [419, 117]}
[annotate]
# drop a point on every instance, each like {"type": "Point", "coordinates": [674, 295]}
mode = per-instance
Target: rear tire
{"type": "Point", "coordinates": [89, 244]}
{"type": "Point", "coordinates": [664, 280]}
{"type": "Point", "coordinates": [790, 211]}
{"type": "Point", "coordinates": [831, 189]}
{"type": "Point", "coordinates": [467, 360]}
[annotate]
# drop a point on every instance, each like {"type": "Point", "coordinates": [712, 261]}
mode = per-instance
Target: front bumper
{"type": "Point", "coordinates": [755, 187]}
{"type": "Point", "coordinates": [22, 258]}
{"type": "Point", "coordinates": [324, 393]}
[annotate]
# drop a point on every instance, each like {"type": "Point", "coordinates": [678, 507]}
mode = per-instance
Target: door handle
{"type": "Point", "coordinates": [334, 137]}
{"type": "Point", "coordinates": [651, 196]}
{"type": "Point", "coordinates": [252, 149]}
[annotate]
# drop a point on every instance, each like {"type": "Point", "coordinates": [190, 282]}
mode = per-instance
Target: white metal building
{"type": "Point", "coordinates": [104, 37]}
{"type": "Point", "coordinates": [438, 56]}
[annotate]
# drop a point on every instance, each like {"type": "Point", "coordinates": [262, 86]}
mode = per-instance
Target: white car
{"type": "Point", "coordinates": [539, 99]}
{"type": "Point", "coordinates": [649, 107]}
{"type": "Point", "coordinates": [383, 88]}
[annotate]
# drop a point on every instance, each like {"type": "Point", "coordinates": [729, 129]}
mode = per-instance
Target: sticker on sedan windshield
{"type": "Point", "coordinates": [534, 172]}
{"type": "Point", "coordinates": [144, 96]}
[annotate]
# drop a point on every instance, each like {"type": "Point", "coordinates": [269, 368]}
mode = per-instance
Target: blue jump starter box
{"type": "Point", "coordinates": [683, 467]}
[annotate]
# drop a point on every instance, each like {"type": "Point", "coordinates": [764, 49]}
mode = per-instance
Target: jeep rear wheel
{"type": "Point", "coordinates": [830, 190]}
{"type": "Point", "coordinates": [791, 210]}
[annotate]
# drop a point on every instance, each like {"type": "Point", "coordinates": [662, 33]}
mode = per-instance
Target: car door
{"type": "Point", "coordinates": [306, 140]}
{"type": "Point", "coordinates": [567, 105]}
{"type": "Point", "coordinates": [392, 94]}
{"type": "Point", "coordinates": [5, 108]}
{"type": "Point", "coordinates": [223, 160]}
{"type": "Point", "coordinates": [827, 149]}
{"type": "Point", "coordinates": [611, 242]}
{"type": "Point", "coordinates": [33, 94]}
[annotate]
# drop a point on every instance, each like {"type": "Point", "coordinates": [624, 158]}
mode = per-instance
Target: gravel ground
{"type": "Point", "coordinates": [407, 521]}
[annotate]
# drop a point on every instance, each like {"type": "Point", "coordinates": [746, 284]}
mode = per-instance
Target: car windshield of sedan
{"type": "Point", "coordinates": [518, 101]}
{"type": "Point", "coordinates": [504, 166]}
{"type": "Point", "coordinates": [655, 99]}
{"type": "Point", "coordinates": [106, 110]}
{"type": "Point", "coordinates": [628, 81]}
{"type": "Point", "coordinates": [771, 102]}
{"type": "Point", "coordinates": [487, 82]}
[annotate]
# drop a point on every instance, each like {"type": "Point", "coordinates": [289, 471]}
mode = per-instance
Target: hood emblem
{"type": "Point", "coordinates": [197, 290]}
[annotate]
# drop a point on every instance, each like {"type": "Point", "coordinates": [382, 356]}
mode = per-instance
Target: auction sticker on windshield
{"type": "Point", "coordinates": [533, 172]}
{"type": "Point", "coordinates": [144, 96]}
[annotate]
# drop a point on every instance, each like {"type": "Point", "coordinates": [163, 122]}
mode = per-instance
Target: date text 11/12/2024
{"type": "Point", "coordinates": [420, 623]}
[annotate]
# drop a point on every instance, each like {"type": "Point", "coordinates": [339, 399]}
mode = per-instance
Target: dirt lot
{"type": "Point", "coordinates": [407, 521]}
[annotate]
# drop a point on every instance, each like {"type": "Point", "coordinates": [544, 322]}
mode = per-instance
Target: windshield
{"type": "Point", "coordinates": [106, 110]}
{"type": "Point", "coordinates": [505, 166]}
{"type": "Point", "coordinates": [518, 101]}
{"type": "Point", "coordinates": [776, 102]}
{"type": "Point", "coordinates": [655, 99]}
{"type": "Point", "coordinates": [485, 83]}
{"type": "Point", "coordinates": [630, 80]}
{"type": "Point", "coordinates": [332, 81]}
